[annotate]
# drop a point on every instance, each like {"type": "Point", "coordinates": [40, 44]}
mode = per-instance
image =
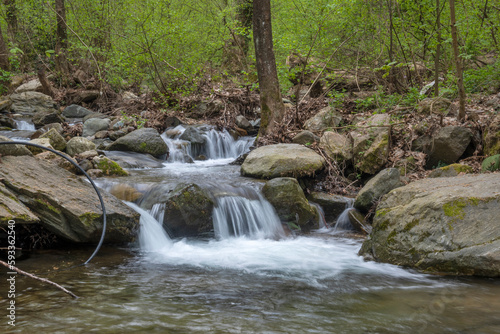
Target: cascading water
{"type": "Point", "coordinates": [217, 145]}
{"type": "Point", "coordinates": [152, 236]}
{"type": "Point", "coordinates": [236, 216]}
{"type": "Point", "coordinates": [343, 222]}
{"type": "Point", "coordinates": [25, 125]}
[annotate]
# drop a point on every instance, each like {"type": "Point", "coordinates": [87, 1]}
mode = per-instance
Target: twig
{"type": "Point", "coordinates": [44, 280]}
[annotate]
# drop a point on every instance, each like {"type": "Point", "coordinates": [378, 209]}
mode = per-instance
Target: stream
{"type": "Point", "coordinates": [249, 277]}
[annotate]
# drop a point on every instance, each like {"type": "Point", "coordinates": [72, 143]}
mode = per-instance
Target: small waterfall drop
{"type": "Point", "coordinates": [25, 125]}
{"type": "Point", "coordinates": [321, 216]}
{"type": "Point", "coordinates": [254, 217]}
{"type": "Point", "coordinates": [218, 145]}
{"type": "Point", "coordinates": [152, 236]}
{"type": "Point", "coordinates": [343, 222]}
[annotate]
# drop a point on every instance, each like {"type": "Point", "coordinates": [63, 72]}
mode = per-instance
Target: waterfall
{"type": "Point", "coordinates": [343, 222]}
{"type": "Point", "coordinates": [236, 216]}
{"type": "Point", "coordinates": [152, 236]}
{"type": "Point", "coordinates": [25, 125]}
{"type": "Point", "coordinates": [218, 145]}
{"type": "Point", "coordinates": [321, 216]}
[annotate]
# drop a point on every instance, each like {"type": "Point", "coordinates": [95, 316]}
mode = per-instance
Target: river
{"type": "Point", "coordinates": [248, 283]}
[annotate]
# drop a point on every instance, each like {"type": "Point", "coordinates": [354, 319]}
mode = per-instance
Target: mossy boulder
{"type": "Point", "coordinates": [290, 203]}
{"type": "Point", "coordinates": [13, 209]}
{"type": "Point", "coordinates": [451, 170]}
{"type": "Point", "coordinates": [66, 204]}
{"type": "Point", "coordinates": [491, 163]}
{"type": "Point", "coordinates": [188, 211]}
{"type": "Point", "coordinates": [56, 140]}
{"type": "Point", "coordinates": [44, 117]}
{"type": "Point", "coordinates": [108, 166]}
{"type": "Point", "coordinates": [144, 140]}
{"type": "Point", "coordinates": [443, 225]}
{"type": "Point", "coordinates": [282, 160]}
{"type": "Point", "coordinates": [45, 142]}
{"type": "Point", "coordinates": [448, 145]}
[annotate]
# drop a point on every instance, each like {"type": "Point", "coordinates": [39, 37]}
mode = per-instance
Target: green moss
{"type": "Point", "coordinates": [143, 146]}
{"type": "Point", "coordinates": [455, 209]}
{"type": "Point", "coordinates": [47, 204]}
{"type": "Point", "coordinates": [411, 225]}
{"type": "Point", "coordinates": [110, 167]}
{"type": "Point", "coordinates": [384, 225]}
{"type": "Point", "coordinates": [391, 237]}
{"type": "Point", "coordinates": [89, 217]}
{"type": "Point", "coordinates": [382, 212]}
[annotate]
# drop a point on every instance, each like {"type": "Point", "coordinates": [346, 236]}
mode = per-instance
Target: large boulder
{"type": "Point", "coordinates": [144, 140]}
{"type": "Point", "coordinates": [94, 125]}
{"type": "Point", "coordinates": [282, 160]}
{"type": "Point", "coordinates": [378, 186]}
{"type": "Point", "coordinates": [448, 145]}
{"type": "Point", "coordinates": [492, 137]}
{"type": "Point", "coordinates": [66, 204]}
{"type": "Point", "coordinates": [77, 145]}
{"type": "Point", "coordinates": [188, 211]}
{"type": "Point", "coordinates": [13, 149]}
{"type": "Point", "coordinates": [290, 203]}
{"type": "Point", "coordinates": [324, 119]}
{"type": "Point", "coordinates": [76, 111]}
{"type": "Point", "coordinates": [447, 225]}
{"type": "Point", "coordinates": [337, 146]}
{"type": "Point", "coordinates": [31, 102]}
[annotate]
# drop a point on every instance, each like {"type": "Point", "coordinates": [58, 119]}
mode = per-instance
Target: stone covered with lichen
{"type": "Point", "coordinates": [444, 225]}
{"type": "Point", "coordinates": [492, 137]}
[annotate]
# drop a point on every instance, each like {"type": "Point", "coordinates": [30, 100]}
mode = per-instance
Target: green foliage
{"type": "Point", "coordinates": [4, 81]}
{"type": "Point", "coordinates": [484, 79]}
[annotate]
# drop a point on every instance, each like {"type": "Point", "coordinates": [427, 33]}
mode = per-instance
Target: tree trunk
{"type": "Point", "coordinates": [271, 104]}
{"type": "Point", "coordinates": [438, 49]}
{"type": "Point", "coordinates": [61, 41]}
{"type": "Point", "coordinates": [4, 54]}
{"type": "Point", "coordinates": [11, 17]}
{"type": "Point", "coordinates": [458, 63]}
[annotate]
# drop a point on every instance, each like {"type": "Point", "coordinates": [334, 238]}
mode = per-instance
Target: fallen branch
{"type": "Point", "coordinates": [44, 280]}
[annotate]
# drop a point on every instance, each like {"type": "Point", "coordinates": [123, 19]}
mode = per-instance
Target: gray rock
{"type": "Point", "coordinates": [56, 140]}
{"type": "Point", "coordinates": [305, 138]}
{"type": "Point", "coordinates": [44, 117]}
{"type": "Point", "coordinates": [76, 111]}
{"type": "Point", "coordinates": [194, 136]}
{"type": "Point", "coordinates": [324, 119]}
{"type": "Point", "coordinates": [491, 137]}
{"type": "Point", "coordinates": [378, 186]}
{"type": "Point", "coordinates": [94, 115]}
{"type": "Point", "coordinates": [448, 145]}
{"type": "Point", "coordinates": [337, 147]}
{"type": "Point", "coordinates": [39, 141]}
{"type": "Point", "coordinates": [77, 145]}
{"type": "Point", "coordinates": [290, 203]}
{"type": "Point", "coordinates": [31, 86]}
{"type": "Point", "coordinates": [56, 126]}
{"type": "Point", "coordinates": [32, 102]}
{"type": "Point", "coordinates": [8, 122]}
{"type": "Point", "coordinates": [332, 205]}
{"type": "Point", "coordinates": [357, 220]}
{"type": "Point", "coordinates": [282, 160]}
{"type": "Point", "coordinates": [134, 160]}
{"type": "Point", "coordinates": [243, 123]}
{"type": "Point", "coordinates": [67, 205]}
{"type": "Point", "coordinates": [437, 105]}
{"type": "Point", "coordinates": [144, 140]}
{"type": "Point", "coordinates": [188, 211]}
{"type": "Point", "coordinates": [94, 125]}
{"type": "Point", "coordinates": [11, 149]}
{"type": "Point", "coordinates": [114, 135]}
{"type": "Point", "coordinates": [451, 170]}
{"type": "Point", "coordinates": [444, 225]}
{"type": "Point", "coordinates": [5, 104]}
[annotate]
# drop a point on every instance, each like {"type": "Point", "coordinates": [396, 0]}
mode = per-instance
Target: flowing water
{"type": "Point", "coordinates": [248, 278]}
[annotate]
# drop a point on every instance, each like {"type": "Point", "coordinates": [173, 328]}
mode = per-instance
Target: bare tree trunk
{"type": "Point", "coordinates": [271, 104]}
{"type": "Point", "coordinates": [62, 65]}
{"type": "Point", "coordinates": [4, 53]}
{"type": "Point", "coordinates": [438, 49]}
{"type": "Point", "coordinates": [458, 63]}
{"type": "Point", "coordinates": [11, 16]}
{"type": "Point", "coordinates": [46, 87]}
